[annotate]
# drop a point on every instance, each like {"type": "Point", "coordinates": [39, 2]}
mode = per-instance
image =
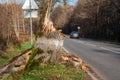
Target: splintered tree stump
{"type": "Point", "coordinates": [51, 45]}
{"type": "Point", "coordinates": [51, 41]}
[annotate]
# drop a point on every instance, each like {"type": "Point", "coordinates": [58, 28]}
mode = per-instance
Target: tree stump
{"type": "Point", "coordinates": [51, 44]}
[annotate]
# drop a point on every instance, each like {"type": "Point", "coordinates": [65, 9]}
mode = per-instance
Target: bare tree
{"type": "Point", "coordinates": [11, 21]}
{"type": "Point", "coordinates": [98, 19]}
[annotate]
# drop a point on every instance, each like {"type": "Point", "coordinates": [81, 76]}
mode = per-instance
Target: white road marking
{"type": "Point", "coordinates": [88, 72]}
{"type": "Point", "coordinates": [65, 50]}
{"type": "Point", "coordinates": [110, 50]}
{"type": "Point", "coordinates": [86, 43]}
{"type": "Point", "coordinates": [91, 75]}
{"type": "Point", "coordinates": [93, 45]}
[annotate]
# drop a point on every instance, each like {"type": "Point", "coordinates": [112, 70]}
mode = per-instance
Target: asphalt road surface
{"type": "Point", "coordinates": [104, 58]}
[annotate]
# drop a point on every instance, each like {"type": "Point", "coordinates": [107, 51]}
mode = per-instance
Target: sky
{"type": "Point", "coordinates": [71, 2]}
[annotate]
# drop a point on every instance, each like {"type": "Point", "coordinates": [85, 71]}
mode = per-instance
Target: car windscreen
{"type": "Point", "coordinates": [74, 32]}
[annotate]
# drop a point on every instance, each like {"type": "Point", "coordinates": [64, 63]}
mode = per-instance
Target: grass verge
{"type": "Point", "coordinates": [50, 72]}
{"type": "Point", "coordinates": [17, 50]}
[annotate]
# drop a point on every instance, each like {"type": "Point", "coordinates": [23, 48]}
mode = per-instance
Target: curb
{"type": "Point", "coordinates": [93, 77]}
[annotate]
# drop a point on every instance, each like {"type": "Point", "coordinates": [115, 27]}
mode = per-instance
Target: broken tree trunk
{"type": "Point", "coordinates": [48, 43]}
{"type": "Point", "coordinates": [52, 44]}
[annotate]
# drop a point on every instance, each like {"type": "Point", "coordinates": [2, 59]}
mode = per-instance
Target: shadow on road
{"type": "Point", "coordinates": [107, 52]}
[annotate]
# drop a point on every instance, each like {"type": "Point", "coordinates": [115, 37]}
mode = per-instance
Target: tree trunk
{"type": "Point", "coordinates": [49, 41]}
{"type": "Point", "coordinates": [51, 45]}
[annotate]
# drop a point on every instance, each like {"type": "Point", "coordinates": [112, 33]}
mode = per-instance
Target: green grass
{"type": "Point", "coordinates": [17, 50]}
{"type": "Point", "coordinates": [43, 72]}
{"type": "Point", "coordinates": [51, 72]}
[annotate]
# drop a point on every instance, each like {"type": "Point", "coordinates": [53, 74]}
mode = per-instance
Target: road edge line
{"type": "Point", "coordinates": [88, 72]}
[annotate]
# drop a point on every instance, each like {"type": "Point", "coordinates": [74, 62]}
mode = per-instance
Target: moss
{"type": "Point", "coordinates": [32, 63]}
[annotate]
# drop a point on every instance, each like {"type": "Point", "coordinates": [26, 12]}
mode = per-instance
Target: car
{"type": "Point", "coordinates": [74, 34]}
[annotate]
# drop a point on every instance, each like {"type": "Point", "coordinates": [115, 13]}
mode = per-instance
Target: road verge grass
{"type": "Point", "coordinates": [17, 50]}
{"type": "Point", "coordinates": [50, 72]}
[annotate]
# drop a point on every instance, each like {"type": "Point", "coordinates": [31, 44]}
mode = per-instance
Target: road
{"type": "Point", "coordinates": [104, 58]}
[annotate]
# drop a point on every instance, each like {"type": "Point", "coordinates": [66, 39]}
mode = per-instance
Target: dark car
{"type": "Point", "coordinates": [74, 34]}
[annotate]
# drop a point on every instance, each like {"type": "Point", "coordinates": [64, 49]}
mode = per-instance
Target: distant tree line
{"type": "Point", "coordinates": [98, 19]}
{"type": "Point", "coordinates": [61, 15]}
